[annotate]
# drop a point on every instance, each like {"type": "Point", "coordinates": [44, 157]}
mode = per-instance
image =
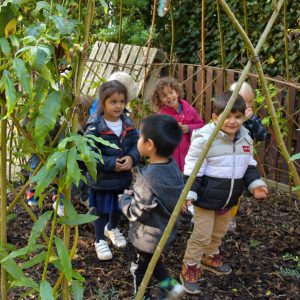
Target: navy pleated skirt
{"type": "Point", "coordinates": [104, 202]}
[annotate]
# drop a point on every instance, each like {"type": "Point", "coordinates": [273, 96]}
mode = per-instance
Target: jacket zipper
{"type": "Point", "coordinates": [232, 178]}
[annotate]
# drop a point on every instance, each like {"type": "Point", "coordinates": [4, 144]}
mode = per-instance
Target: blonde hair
{"type": "Point", "coordinates": [160, 84]}
{"type": "Point", "coordinates": [127, 81]}
{"type": "Point", "coordinates": [246, 91]}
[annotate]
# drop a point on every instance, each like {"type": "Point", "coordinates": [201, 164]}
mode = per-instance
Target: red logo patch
{"type": "Point", "coordinates": [246, 148]}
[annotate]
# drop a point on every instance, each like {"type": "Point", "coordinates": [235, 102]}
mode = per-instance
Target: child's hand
{"type": "Point", "coordinates": [128, 192]}
{"type": "Point", "coordinates": [125, 162]}
{"type": "Point", "coordinates": [248, 113]}
{"type": "Point", "coordinates": [260, 192]}
{"type": "Point", "coordinates": [184, 128]}
{"type": "Point", "coordinates": [186, 204]}
{"type": "Point", "coordinates": [118, 166]}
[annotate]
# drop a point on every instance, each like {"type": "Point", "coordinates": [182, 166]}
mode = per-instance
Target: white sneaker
{"type": "Point", "coordinates": [103, 251]}
{"type": "Point", "coordinates": [116, 237]}
{"type": "Point", "coordinates": [60, 209]}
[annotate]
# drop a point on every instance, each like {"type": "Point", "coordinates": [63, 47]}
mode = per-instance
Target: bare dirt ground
{"type": "Point", "coordinates": [262, 252]}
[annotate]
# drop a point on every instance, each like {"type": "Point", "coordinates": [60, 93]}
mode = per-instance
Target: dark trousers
{"type": "Point", "coordinates": [140, 265]}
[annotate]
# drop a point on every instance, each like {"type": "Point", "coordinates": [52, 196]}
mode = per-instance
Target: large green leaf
{"type": "Point", "coordinates": [43, 178]}
{"type": "Point", "coordinates": [73, 170]}
{"type": "Point", "coordinates": [38, 227]}
{"type": "Point", "coordinates": [57, 159]}
{"type": "Point", "coordinates": [37, 259]}
{"type": "Point", "coordinates": [47, 117]}
{"type": "Point", "coordinates": [46, 74]}
{"type": "Point", "coordinates": [77, 290]}
{"type": "Point", "coordinates": [6, 14]}
{"type": "Point", "coordinates": [102, 141]}
{"type": "Point", "coordinates": [22, 251]}
{"type": "Point", "coordinates": [80, 219]}
{"type": "Point", "coordinates": [5, 47]}
{"type": "Point", "coordinates": [41, 87]}
{"type": "Point", "coordinates": [64, 258]}
{"type": "Point", "coordinates": [10, 92]}
{"type": "Point", "coordinates": [23, 75]}
{"type": "Point", "coordinates": [39, 56]}
{"type": "Point", "coordinates": [46, 292]}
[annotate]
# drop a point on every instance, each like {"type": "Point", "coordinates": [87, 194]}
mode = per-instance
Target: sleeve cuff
{"type": "Point", "coordinates": [256, 183]}
{"type": "Point", "coordinates": [192, 196]}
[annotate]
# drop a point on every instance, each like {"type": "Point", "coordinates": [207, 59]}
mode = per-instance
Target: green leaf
{"type": "Point", "coordinates": [80, 219]}
{"type": "Point", "coordinates": [6, 14]}
{"type": "Point", "coordinates": [46, 292]}
{"type": "Point", "coordinates": [46, 74]}
{"type": "Point", "coordinates": [41, 87]}
{"type": "Point", "coordinates": [105, 6]}
{"type": "Point", "coordinates": [37, 259]}
{"type": "Point", "coordinates": [25, 282]}
{"type": "Point", "coordinates": [21, 252]}
{"type": "Point", "coordinates": [38, 227]}
{"type": "Point", "coordinates": [77, 290]}
{"type": "Point", "coordinates": [295, 156]}
{"type": "Point", "coordinates": [5, 47]}
{"type": "Point", "coordinates": [23, 75]}
{"type": "Point", "coordinates": [57, 159]}
{"type": "Point", "coordinates": [102, 141]}
{"type": "Point", "coordinates": [39, 56]}
{"type": "Point", "coordinates": [64, 258]}
{"type": "Point", "coordinates": [43, 178]}
{"type": "Point", "coordinates": [47, 117]}
{"type": "Point", "coordinates": [10, 92]}
{"type": "Point", "coordinates": [73, 171]}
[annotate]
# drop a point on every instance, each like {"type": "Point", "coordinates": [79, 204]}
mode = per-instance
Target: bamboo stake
{"type": "Point", "coordinates": [3, 232]}
{"type": "Point", "coordinates": [246, 21]}
{"type": "Point", "coordinates": [266, 91]}
{"type": "Point", "coordinates": [120, 30]}
{"type": "Point", "coordinates": [173, 38]}
{"type": "Point", "coordinates": [206, 148]}
{"type": "Point", "coordinates": [202, 58]}
{"type": "Point", "coordinates": [222, 48]}
{"type": "Point", "coordinates": [288, 77]}
{"type": "Point", "coordinates": [149, 45]}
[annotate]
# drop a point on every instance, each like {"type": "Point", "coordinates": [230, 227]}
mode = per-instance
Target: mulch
{"type": "Point", "coordinates": [260, 251]}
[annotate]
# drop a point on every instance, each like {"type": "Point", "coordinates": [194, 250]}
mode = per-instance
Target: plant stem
{"type": "Point", "coordinates": [265, 89]}
{"type": "Point", "coordinates": [3, 231]}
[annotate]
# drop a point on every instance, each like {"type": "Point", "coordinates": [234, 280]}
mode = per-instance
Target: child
{"type": "Point", "coordinates": [256, 130]}
{"type": "Point", "coordinates": [228, 167]}
{"type": "Point", "coordinates": [167, 97]}
{"type": "Point", "coordinates": [253, 123]}
{"type": "Point", "coordinates": [114, 173]}
{"type": "Point", "coordinates": [155, 194]}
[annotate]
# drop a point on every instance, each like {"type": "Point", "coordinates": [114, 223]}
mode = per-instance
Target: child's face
{"type": "Point", "coordinates": [232, 123]}
{"type": "Point", "coordinates": [143, 146]}
{"type": "Point", "coordinates": [114, 107]}
{"type": "Point", "coordinates": [169, 97]}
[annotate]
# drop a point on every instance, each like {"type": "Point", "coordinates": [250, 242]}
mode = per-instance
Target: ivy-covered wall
{"type": "Point", "coordinates": [137, 16]}
{"type": "Point", "coordinates": [187, 15]}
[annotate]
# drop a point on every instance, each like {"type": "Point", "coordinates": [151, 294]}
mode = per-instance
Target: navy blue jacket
{"type": "Point", "coordinates": [107, 178]}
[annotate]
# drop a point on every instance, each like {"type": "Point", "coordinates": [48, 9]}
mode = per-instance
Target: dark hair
{"type": "Point", "coordinates": [107, 89]}
{"type": "Point", "coordinates": [160, 84]}
{"type": "Point", "coordinates": [221, 101]}
{"type": "Point", "coordinates": [164, 131]}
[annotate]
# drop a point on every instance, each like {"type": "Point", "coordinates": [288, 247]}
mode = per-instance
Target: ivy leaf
{"type": "Point", "coordinates": [23, 75]}
{"type": "Point", "coordinates": [5, 48]}
{"type": "Point", "coordinates": [10, 92]}
{"type": "Point", "coordinates": [47, 117]}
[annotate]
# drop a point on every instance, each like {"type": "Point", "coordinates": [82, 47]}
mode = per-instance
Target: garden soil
{"type": "Point", "coordinates": [262, 252]}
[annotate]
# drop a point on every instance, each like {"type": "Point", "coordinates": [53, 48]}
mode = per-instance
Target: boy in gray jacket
{"type": "Point", "coordinates": [155, 194]}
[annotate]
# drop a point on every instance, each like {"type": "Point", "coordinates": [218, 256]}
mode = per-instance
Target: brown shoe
{"type": "Point", "coordinates": [213, 263]}
{"type": "Point", "coordinates": [190, 274]}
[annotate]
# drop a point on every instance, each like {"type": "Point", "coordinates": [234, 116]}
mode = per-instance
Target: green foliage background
{"type": "Point", "coordinates": [187, 16]}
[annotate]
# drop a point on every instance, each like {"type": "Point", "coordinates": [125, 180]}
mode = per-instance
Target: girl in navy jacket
{"type": "Point", "coordinates": [114, 173]}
